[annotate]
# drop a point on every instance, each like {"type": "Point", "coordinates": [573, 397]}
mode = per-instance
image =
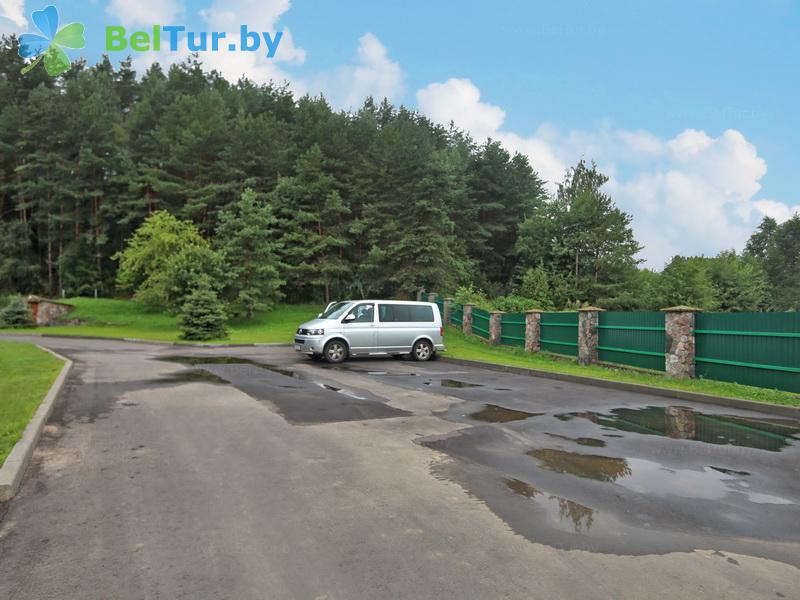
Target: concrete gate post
{"type": "Point", "coordinates": [533, 330]}
{"type": "Point", "coordinates": [466, 319]}
{"type": "Point", "coordinates": [588, 334]}
{"type": "Point", "coordinates": [432, 296]}
{"type": "Point", "coordinates": [680, 342]}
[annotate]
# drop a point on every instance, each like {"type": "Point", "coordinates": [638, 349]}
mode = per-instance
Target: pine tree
{"type": "Point", "coordinates": [313, 224]}
{"type": "Point", "coordinates": [15, 314]}
{"type": "Point", "coordinates": [246, 238]}
{"type": "Point", "coordinates": [203, 315]}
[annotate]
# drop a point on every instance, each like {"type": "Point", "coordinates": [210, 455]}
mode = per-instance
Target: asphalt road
{"type": "Point", "coordinates": [257, 473]}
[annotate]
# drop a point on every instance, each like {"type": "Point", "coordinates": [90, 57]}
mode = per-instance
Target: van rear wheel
{"type": "Point", "coordinates": [422, 350]}
{"type": "Point", "coordinates": [335, 351]}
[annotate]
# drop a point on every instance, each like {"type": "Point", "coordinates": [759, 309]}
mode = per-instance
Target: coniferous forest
{"type": "Point", "coordinates": [308, 203]}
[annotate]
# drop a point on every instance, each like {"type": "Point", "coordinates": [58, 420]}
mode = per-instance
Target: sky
{"type": "Point", "coordinates": [689, 106]}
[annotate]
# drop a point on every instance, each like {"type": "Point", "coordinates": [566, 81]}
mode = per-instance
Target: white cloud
{"type": "Point", "coordinates": [12, 17]}
{"type": "Point", "coordinates": [374, 74]}
{"type": "Point", "coordinates": [459, 101]}
{"type": "Point", "coordinates": [691, 194]}
{"type": "Point", "coordinates": [145, 12]}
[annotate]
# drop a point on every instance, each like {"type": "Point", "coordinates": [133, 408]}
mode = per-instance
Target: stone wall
{"type": "Point", "coordinates": [47, 312]}
{"type": "Point", "coordinates": [588, 334]}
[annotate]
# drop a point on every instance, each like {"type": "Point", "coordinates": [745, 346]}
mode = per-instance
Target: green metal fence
{"type": "Point", "coordinates": [440, 303]}
{"type": "Point", "coordinates": [559, 332]}
{"type": "Point", "coordinates": [456, 314]}
{"type": "Point", "coordinates": [760, 349]}
{"type": "Point", "coordinates": [512, 329]}
{"type": "Point", "coordinates": [632, 338]}
{"type": "Point", "coordinates": [480, 323]}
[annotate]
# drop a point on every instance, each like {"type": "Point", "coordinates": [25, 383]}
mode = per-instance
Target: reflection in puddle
{"type": "Point", "coordinates": [684, 423]}
{"type": "Point", "coordinates": [192, 376]}
{"type": "Point", "coordinates": [582, 441]}
{"type": "Point", "coordinates": [455, 383]}
{"type": "Point", "coordinates": [651, 478]}
{"type": "Point", "coordinates": [579, 515]}
{"type": "Point", "coordinates": [227, 360]}
{"type": "Point", "coordinates": [590, 466]}
{"type": "Point", "coordinates": [492, 413]}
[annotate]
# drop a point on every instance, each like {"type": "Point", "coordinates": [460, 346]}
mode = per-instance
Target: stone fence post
{"type": "Point", "coordinates": [448, 311]}
{"type": "Point", "coordinates": [432, 296]}
{"type": "Point", "coordinates": [679, 328]}
{"type": "Point", "coordinates": [466, 319]}
{"type": "Point", "coordinates": [420, 292]}
{"type": "Point", "coordinates": [588, 336]}
{"type": "Point", "coordinates": [495, 327]}
{"type": "Point", "coordinates": [533, 330]}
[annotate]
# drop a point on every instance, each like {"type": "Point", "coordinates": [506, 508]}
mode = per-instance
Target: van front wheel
{"type": "Point", "coordinates": [422, 350]}
{"type": "Point", "coordinates": [335, 351]}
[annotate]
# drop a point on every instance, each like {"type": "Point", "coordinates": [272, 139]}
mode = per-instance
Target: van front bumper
{"type": "Point", "coordinates": [309, 344]}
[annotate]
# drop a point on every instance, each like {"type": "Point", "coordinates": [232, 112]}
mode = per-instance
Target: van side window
{"type": "Point", "coordinates": [365, 313]}
{"type": "Point", "coordinates": [405, 313]}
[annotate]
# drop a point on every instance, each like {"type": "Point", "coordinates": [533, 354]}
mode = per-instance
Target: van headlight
{"type": "Point", "coordinates": [316, 332]}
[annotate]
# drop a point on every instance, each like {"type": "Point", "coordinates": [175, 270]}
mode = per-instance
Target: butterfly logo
{"type": "Point", "coordinates": [50, 46]}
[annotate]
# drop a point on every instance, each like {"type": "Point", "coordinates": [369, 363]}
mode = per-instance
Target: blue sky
{"type": "Point", "coordinates": [689, 106]}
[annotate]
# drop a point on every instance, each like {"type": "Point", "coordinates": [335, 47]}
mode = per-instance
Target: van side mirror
{"type": "Point", "coordinates": [349, 318]}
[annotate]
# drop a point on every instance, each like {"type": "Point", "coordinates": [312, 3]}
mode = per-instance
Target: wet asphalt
{"type": "Point", "coordinates": [255, 472]}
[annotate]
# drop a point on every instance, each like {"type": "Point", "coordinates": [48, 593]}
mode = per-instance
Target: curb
{"type": "Point", "coordinates": [774, 409]}
{"type": "Point", "coordinates": [17, 461]}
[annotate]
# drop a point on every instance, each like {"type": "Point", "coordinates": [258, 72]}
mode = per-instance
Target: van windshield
{"type": "Point", "coordinates": [335, 311]}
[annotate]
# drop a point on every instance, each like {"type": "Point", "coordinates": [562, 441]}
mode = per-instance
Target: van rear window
{"type": "Point", "coordinates": [405, 313]}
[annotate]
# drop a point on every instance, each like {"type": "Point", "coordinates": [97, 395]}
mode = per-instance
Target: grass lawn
{"type": "Point", "coordinates": [473, 348]}
{"type": "Point", "coordinates": [26, 373]}
{"type": "Point", "coordinates": [128, 319]}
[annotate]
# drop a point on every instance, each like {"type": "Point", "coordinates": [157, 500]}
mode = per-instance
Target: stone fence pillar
{"type": "Point", "coordinates": [588, 336]}
{"type": "Point", "coordinates": [533, 330]}
{"type": "Point", "coordinates": [420, 292]}
{"type": "Point", "coordinates": [448, 311]}
{"type": "Point", "coordinates": [466, 319]}
{"type": "Point", "coordinates": [679, 328]}
{"type": "Point", "coordinates": [495, 327]}
{"type": "Point", "coordinates": [432, 296]}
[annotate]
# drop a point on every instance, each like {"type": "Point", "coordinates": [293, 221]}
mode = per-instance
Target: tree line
{"type": "Point", "coordinates": [375, 202]}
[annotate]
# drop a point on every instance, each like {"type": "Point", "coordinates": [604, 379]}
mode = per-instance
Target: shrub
{"type": "Point", "coordinates": [16, 313]}
{"type": "Point", "coordinates": [467, 294]}
{"type": "Point", "coordinates": [203, 316]}
{"type": "Point", "coordinates": [513, 303]}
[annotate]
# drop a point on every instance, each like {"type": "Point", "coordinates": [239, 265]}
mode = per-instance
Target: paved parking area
{"type": "Point", "coordinates": [254, 472]}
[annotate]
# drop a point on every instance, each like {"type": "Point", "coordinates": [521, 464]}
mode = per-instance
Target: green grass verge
{"type": "Point", "coordinates": [128, 319]}
{"type": "Point", "coordinates": [26, 373]}
{"type": "Point", "coordinates": [474, 348]}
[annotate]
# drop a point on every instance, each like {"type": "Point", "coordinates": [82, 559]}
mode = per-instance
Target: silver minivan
{"type": "Point", "coordinates": [373, 328]}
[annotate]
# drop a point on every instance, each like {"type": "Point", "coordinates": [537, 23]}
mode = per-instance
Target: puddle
{"type": "Point", "coordinates": [679, 422]}
{"type": "Point", "coordinates": [579, 516]}
{"type": "Point", "coordinates": [227, 360]}
{"type": "Point", "coordinates": [652, 478]}
{"type": "Point", "coordinates": [455, 383]}
{"type": "Point", "coordinates": [192, 376]}
{"type": "Point", "coordinates": [492, 413]}
{"type": "Point", "coordinates": [332, 388]}
{"type": "Point", "coordinates": [582, 441]}
{"type": "Point", "coordinates": [503, 389]}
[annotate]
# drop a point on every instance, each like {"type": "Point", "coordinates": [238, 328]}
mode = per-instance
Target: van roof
{"type": "Point", "coordinates": [388, 301]}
